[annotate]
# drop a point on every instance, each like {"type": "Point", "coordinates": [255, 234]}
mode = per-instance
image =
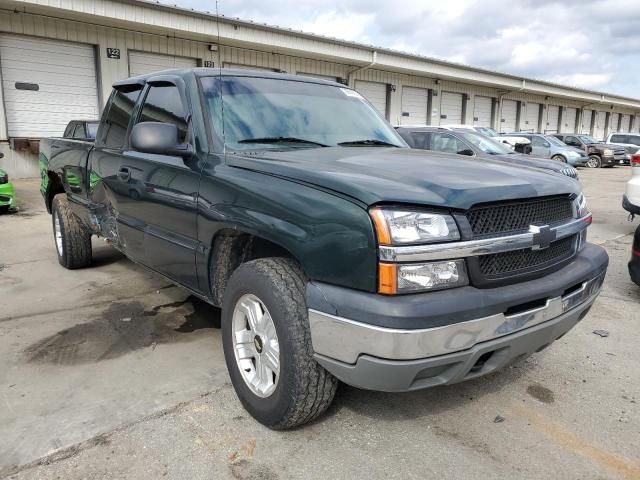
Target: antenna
{"type": "Point", "coordinates": [224, 141]}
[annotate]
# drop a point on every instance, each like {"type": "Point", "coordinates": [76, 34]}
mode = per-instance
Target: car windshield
{"type": "Point", "coordinates": [554, 141]}
{"type": "Point", "coordinates": [265, 113]}
{"type": "Point", "coordinates": [487, 145]}
{"type": "Point", "coordinates": [489, 132]}
{"type": "Point", "coordinates": [587, 139]}
{"type": "Point", "coordinates": [92, 128]}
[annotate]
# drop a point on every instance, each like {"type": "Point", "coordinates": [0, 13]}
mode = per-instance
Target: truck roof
{"type": "Point", "coordinates": [225, 72]}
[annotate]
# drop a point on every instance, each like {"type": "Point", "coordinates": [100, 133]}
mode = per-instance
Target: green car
{"type": "Point", "coordinates": [7, 196]}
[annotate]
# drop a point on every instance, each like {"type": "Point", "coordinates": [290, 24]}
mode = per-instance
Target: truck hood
{"type": "Point", "coordinates": [529, 161]}
{"type": "Point", "coordinates": [402, 175]}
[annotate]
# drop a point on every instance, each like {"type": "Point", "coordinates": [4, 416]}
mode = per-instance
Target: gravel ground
{"type": "Point", "coordinates": [111, 373]}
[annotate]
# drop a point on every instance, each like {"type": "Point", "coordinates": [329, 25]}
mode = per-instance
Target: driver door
{"type": "Point", "coordinates": [540, 147]}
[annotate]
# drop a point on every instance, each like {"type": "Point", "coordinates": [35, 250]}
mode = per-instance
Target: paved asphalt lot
{"type": "Point", "coordinates": [109, 372]}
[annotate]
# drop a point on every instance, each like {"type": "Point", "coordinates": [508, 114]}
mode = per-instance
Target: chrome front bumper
{"type": "Point", "coordinates": [345, 340]}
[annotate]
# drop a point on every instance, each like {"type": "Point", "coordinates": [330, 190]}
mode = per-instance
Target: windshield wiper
{"type": "Point", "coordinates": [369, 142]}
{"type": "Point", "coordinates": [281, 140]}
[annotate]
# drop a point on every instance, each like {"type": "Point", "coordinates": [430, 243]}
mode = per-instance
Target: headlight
{"type": "Point", "coordinates": [408, 278]}
{"type": "Point", "coordinates": [581, 206]}
{"type": "Point", "coordinates": [405, 226]}
{"type": "Point", "coordinates": [607, 151]}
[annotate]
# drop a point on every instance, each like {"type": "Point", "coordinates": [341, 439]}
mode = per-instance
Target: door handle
{"type": "Point", "coordinates": [124, 174]}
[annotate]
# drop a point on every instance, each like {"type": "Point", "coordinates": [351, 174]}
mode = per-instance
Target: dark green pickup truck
{"type": "Point", "coordinates": [335, 252]}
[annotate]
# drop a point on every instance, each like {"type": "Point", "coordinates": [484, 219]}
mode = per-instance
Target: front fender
{"type": "Point", "coordinates": [330, 236]}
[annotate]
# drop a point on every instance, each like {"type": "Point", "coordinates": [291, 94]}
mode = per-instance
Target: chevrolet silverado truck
{"type": "Point", "coordinates": [335, 252]}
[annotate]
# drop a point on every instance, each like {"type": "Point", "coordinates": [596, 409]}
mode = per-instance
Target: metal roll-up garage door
{"type": "Point", "coordinates": [482, 111]}
{"type": "Point", "coordinates": [414, 106]}
{"type": "Point", "coordinates": [451, 108]}
{"type": "Point", "coordinates": [598, 129]}
{"type": "Point", "coordinates": [509, 116]}
{"type": "Point", "coordinates": [375, 92]}
{"type": "Point", "coordinates": [613, 122]}
{"type": "Point", "coordinates": [321, 77]}
{"type": "Point", "coordinates": [531, 118]}
{"type": "Point", "coordinates": [569, 123]}
{"type": "Point", "coordinates": [141, 63]}
{"type": "Point", "coordinates": [624, 125]}
{"type": "Point", "coordinates": [553, 113]}
{"type": "Point", "coordinates": [45, 84]}
{"type": "Point", "coordinates": [636, 124]}
{"type": "Point", "coordinates": [585, 124]}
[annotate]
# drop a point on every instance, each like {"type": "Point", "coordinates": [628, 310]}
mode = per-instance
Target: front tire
{"type": "Point", "coordinates": [72, 240]}
{"type": "Point", "coordinates": [559, 158]}
{"type": "Point", "coordinates": [594, 161]}
{"type": "Point", "coordinates": [267, 345]}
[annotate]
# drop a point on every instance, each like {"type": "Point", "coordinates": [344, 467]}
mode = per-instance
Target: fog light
{"type": "Point", "coordinates": [431, 276]}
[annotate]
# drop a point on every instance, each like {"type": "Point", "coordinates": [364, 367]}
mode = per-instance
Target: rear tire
{"type": "Point", "coordinates": [298, 389]}
{"type": "Point", "coordinates": [559, 158]}
{"type": "Point", "coordinates": [72, 240]}
{"type": "Point", "coordinates": [594, 161]}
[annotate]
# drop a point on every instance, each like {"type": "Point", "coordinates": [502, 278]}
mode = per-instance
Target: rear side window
{"type": "Point", "coordinates": [619, 139]}
{"type": "Point", "coordinates": [69, 130]}
{"type": "Point", "coordinates": [163, 104]}
{"type": "Point", "coordinates": [113, 130]}
{"type": "Point", "coordinates": [633, 139]}
{"type": "Point", "coordinates": [539, 142]}
{"type": "Point", "coordinates": [79, 131]}
{"type": "Point", "coordinates": [444, 142]}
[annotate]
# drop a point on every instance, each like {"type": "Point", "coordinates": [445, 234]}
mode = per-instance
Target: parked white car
{"type": "Point", "coordinates": [513, 141]}
{"type": "Point", "coordinates": [631, 197]}
{"type": "Point", "coordinates": [630, 142]}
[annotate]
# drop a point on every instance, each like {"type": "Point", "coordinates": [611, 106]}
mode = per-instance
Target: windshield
{"type": "Point", "coordinates": [555, 141]}
{"type": "Point", "coordinates": [265, 113]}
{"type": "Point", "coordinates": [587, 139]}
{"type": "Point", "coordinates": [489, 132]}
{"type": "Point", "coordinates": [487, 145]}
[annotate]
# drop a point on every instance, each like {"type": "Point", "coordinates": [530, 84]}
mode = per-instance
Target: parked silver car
{"type": "Point", "coordinates": [547, 146]}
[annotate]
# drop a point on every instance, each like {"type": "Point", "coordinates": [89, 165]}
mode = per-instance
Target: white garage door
{"type": "Point", "coordinates": [553, 112]}
{"type": "Point", "coordinates": [141, 63]}
{"type": "Point", "coordinates": [45, 84]}
{"type": "Point", "coordinates": [321, 77]}
{"type": "Point", "coordinates": [624, 126]}
{"type": "Point", "coordinates": [531, 118]}
{"type": "Point", "coordinates": [569, 123]}
{"type": "Point", "coordinates": [376, 93]}
{"type": "Point", "coordinates": [613, 122]}
{"type": "Point", "coordinates": [598, 129]}
{"type": "Point", "coordinates": [482, 111]}
{"type": "Point", "coordinates": [451, 108]}
{"type": "Point", "coordinates": [509, 116]}
{"type": "Point", "coordinates": [414, 106]}
{"type": "Point", "coordinates": [585, 126]}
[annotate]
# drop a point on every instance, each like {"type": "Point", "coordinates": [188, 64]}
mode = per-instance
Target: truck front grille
{"type": "Point", "coordinates": [516, 216]}
{"type": "Point", "coordinates": [520, 261]}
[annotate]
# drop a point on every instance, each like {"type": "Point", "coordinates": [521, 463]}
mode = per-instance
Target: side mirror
{"type": "Point", "coordinates": [467, 151]}
{"type": "Point", "coordinates": [160, 139]}
{"type": "Point", "coordinates": [1, 155]}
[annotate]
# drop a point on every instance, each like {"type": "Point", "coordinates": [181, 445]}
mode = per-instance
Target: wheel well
{"type": "Point", "coordinates": [230, 249]}
{"type": "Point", "coordinates": [55, 187]}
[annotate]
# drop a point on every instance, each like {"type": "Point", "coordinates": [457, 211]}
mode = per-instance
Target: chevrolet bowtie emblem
{"type": "Point", "coordinates": [542, 236]}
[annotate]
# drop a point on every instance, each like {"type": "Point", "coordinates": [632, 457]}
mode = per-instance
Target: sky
{"type": "Point", "coordinates": [593, 44]}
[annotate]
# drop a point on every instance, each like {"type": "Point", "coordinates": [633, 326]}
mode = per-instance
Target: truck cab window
{"type": "Point", "coordinates": [163, 104]}
{"type": "Point", "coordinates": [113, 131]}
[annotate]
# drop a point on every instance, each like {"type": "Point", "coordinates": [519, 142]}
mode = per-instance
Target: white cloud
{"type": "Point", "coordinates": [336, 25]}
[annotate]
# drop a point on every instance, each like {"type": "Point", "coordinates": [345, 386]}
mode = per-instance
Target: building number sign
{"type": "Point", "coordinates": [113, 53]}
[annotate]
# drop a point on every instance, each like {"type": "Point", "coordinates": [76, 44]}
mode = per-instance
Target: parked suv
{"type": "Point", "coordinates": [630, 142]}
{"type": "Point", "coordinates": [599, 153]}
{"type": "Point", "coordinates": [466, 143]}
{"type": "Point", "coordinates": [548, 146]}
{"type": "Point", "coordinates": [334, 251]}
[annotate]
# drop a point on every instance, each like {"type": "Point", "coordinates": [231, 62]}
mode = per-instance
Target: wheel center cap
{"type": "Point", "coordinates": [257, 341]}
